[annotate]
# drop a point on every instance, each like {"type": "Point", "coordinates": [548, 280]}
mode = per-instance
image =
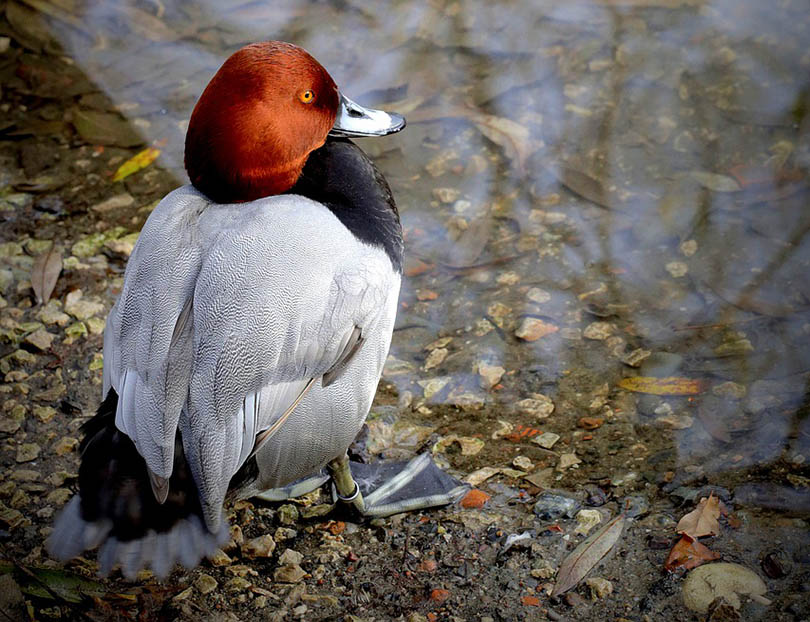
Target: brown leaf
{"type": "Point", "coordinates": [587, 555]}
{"type": "Point", "coordinates": [584, 185]}
{"type": "Point", "coordinates": [45, 273]}
{"type": "Point", "coordinates": [688, 553]}
{"type": "Point", "coordinates": [702, 521]}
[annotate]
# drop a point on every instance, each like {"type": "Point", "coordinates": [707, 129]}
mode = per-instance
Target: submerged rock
{"type": "Point", "coordinates": [551, 506]}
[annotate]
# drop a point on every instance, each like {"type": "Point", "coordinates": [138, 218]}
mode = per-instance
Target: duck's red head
{"type": "Point", "coordinates": [267, 108]}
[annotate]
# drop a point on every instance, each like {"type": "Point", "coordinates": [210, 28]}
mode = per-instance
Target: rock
{"type": "Point", "coordinates": [546, 440]}
{"type": "Point", "coordinates": [79, 308]}
{"type": "Point", "coordinates": [439, 595]}
{"type": "Point", "coordinates": [551, 506]}
{"type": "Point", "coordinates": [636, 357]}
{"type": "Point", "coordinates": [587, 520]}
{"type": "Point", "coordinates": [292, 573]}
{"type": "Point", "coordinates": [490, 375]}
{"type": "Point", "coordinates": [731, 390]}
{"type": "Point", "coordinates": [219, 559]}
{"type": "Point", "coordinates": [661, 364]}
{"type": "Point", "coordinates": [435, 358]}
{"type": "Point", "coordinates": [706, 583]}
{"type": "Point", "coordinates": [635, 506]}
{"type": "Point", "coordinates": [446, 195]}
{"type": "Point", "coordinates": [590, 423]}
{"type": "Point", "coordinates": [288, 514]}
{"type": "Point", "coordinates": [44, 413]}
{"type": "Point", "coordinates": [599, 587]}
{"type": "Point", "coordinates": [51, 313]}
{"type": "Point", "coordinates": [734, 347]}
{"type": "Point", "coordinates": [27, 452]}
{"type": "Point", "coordinates": [290, 557]}
{"type": "Point", "coordinates": [41, 339]}
{"type": "Point", "coordinates": [65, 445]}
{"type": "Point", "coordinates": [677, 269]}
{"type": "Point", "coordinates": [538, 406]}
{"type": "Point", "coordinates": [432, 386]}
{"type": "Point", "coordinates": [538, 296]}
{"type": "Point", "coordinates": [567, 460]}
{"type": "Point", "coordinates": [475, 499]}
{"type": "Point", "coordinates": [776, 565]}
{"type": "Point", "coordinates": [105, 128]}
{"type": "Point", "coordinates": [532, 329]}
{"type": "Point", "coordinates": [688, 248]}
{"type": "Point", "coordinates": [113, 203]}
{"type": "Point", "coordinates": [59, 496]}
{"type": "Point", "coordinates": [598, 331]}
{"type": "Point", "coordinates": [523, 463]}
{"type": "Point", "coordinates": [263, 546]}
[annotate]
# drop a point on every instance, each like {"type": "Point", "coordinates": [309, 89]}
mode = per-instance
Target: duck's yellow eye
{"type": "Point", "coordinates": [307, 97]}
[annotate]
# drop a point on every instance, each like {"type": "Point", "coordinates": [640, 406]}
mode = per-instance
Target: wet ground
{"type": "Point", "coordinates": [606, 298]}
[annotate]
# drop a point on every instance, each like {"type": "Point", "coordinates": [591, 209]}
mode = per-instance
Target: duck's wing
{"type": "Point", "coordinates": [281, 301]}
{"type": "Point", "coordinates": [147, 340]}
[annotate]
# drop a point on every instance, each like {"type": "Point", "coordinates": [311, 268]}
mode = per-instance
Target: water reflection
{"type": "Point", "coordinates": [578, 181]}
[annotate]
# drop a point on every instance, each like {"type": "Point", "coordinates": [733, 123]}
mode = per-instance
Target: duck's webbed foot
{"type": "Point", "coordinates": [386, 488]}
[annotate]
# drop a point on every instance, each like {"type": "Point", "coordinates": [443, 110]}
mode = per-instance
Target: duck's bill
{"type": "Point", "coordinates": [355, 121]}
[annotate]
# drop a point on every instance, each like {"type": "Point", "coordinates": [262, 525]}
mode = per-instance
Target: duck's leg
{"type": "Point", "coordinates": [386, 488]}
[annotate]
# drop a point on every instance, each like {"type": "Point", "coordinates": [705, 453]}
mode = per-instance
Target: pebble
{"type": "Point", "coordinates": [523, 463]}
{"type": "Point", "coordinates": [538, 406]}
{"type": "Point", "coordinates": [205, 583]}
{"type": "Point", "coordinates": [546, 440]}
{"type": "Point", "coordinates": [688, 248]}
{"type": "Point", "coordinates": [27, 452]}
{"type": "Point", "coordinates": [59, 496]}
{"type": "Point", "coordinates": [596, 497]}
{"type": "Point", "coordinates": [65, 445]}
{"type": "Point", "coordinates": [776, 565]}
{"type": "Point", "coordinates": [538, 296]}
{"type": "Point", "coordinates": [41, 339]}
{"type": "Point", "coordinates": [635, 506]}
{"type": "Point", "coordinates": [568, 460]}
{"type": "Point", "coordinates": [290, 557]}
{"type": "Point", "coordinates": [490, 375]}
{"type": "Point", "coordinates": [52, 313]}
{"type": "Point", "coordinates": [292, 573]}
{"type": "Point", "coordinates": [116, 202]}
{"type": "Point", "coordinates": [532, 329]}
{"type": "Point", "coordinates": [677, 269]}
{"type": "Point", "coordinates": [79, 308]}
{"type": "Point", "coordinates": [288, 514]}
{"type": "Point", "coordinates": [732, 390]}
{"type": "Point", "coordinates": [263, 546]}
{"type": "Point", "coordinates": [587, 520]}
{"type": "Point", "coordinates": [44, 413]}
{"type": "Point", "coordinates": [598, 331]}
{"type": "Point", "coordinates": [435, 358]}
{"type": "Point", "coordinates": [636, 357]}
{"type": "Point", "coordinates": [446, 195]}
{"type": "Point", "coordinates": [551, 506]}
{"type": "Point", "coordinates": [599, 587]}
{"type": "Point", "coordinates": [284, 533]}
{"type": "Point", "coordinates": [432, 386]}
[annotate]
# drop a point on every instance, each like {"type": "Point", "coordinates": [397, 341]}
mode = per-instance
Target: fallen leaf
{"type": "Point", "coordinates": [45, 273]}
{"type": "Point", "coordinates": [671, 385]}
{"type": "Point", "coordinates": [702, 521]}
{"type": "Point", "coordinates": [586, 186]}
{"type": "Point", "coordinates": [136, 163]}
{"type": "Point", "coordinates": [587, 555]}
{"type": "Point", "coordinates": [688, 553]}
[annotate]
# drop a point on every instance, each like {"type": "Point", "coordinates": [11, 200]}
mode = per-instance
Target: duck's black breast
{"type": "Point", "coordinates": [342, 177]}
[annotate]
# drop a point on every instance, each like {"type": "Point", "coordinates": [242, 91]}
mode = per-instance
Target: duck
{"type": "Point", "coordinates": [257, 309]}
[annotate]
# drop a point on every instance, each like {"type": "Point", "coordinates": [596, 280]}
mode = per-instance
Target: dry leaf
{"type": "Point", "coordinates": [688, 553]}
{"type": "Point", "coordinates": [702, 521]}
{"type": "Point", "coordinates": [586, 186]}
{"type": "Point", "coordinates": [587, 555]}
{"type": "Point", "coordinates": [136, 163]}
{"type": "Point", "coordinates": [45, 273]}
{"type": "Point", "coordinates": [671, 385]}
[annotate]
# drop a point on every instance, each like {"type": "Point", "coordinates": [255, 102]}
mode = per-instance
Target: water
{"type": "Point", "coordinates": [626, 175]}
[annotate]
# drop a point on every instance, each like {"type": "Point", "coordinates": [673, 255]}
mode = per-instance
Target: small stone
{"type": "Point", "coordinates": [474, 500]}
{"type": "Point", "coordinates": [289, 574]}
{"type": "Point", "coordinates": [490, 375]}
{"type": "Point", "coordinates": [237, 584]}
{"type": "Point", "coordinates": [446, 195]}
{"type": "Point", "coordinates": [290, 557]}
{"type": "Point", "coordinates": [439, 595]}
{"type": "Point", "coordinates": [263, 546]}
{"type": "Point", "coordinates": [95, 325]}
{"type": "Point", "coordinates": [587, 520]}
{"type": "Point", "coordinates": [284, 533]}
{"type": "Point", "coordinates": [75, 331]}
{"type": "Point", "coordinates": [546, 440]}
{"type": "Point", "coordinates": [59, 496]}
{"type": "Point", "coordinates": [590, 423]}
{"type": "Point", "coordinates": [677, 269]}
{"type": "Point", "coordinates": [567, 461]}
{"type": "Point", "coordinates": [432, 386]}
{"type": "Point", "coordinates": [52, 313]}
{"type": "Point", "coordinates": [551, 506]}
{"type": "Point", "coordinates": [508, 278]}
{"type": "Point", "coordinates": [730, 390]}
{"type": "Point", "coordinates": [599, 587]}
{"type": "Point", "coordinates": [688, 248]}
{"type": "Point", "coordinates": [735, 347]}
{"type": "Point", "coordinates": [25, 475]}
{"type": "Point", "coordinates": [598, 331]}
{"type": "Point", "coordinates": [538, 406]}
{"type": "Point", "coordinates": [27, 452]}
{"type": "Point", "coordinates": [65, 445]}
{"type": "Point", "coordinates": [79, 308]}
{"type": "Point", "coordinates": [44, 413]}
{"type": "Point", "coordinates": [41, 339]}
{"type": "Point", "coordinates": [118, 201]}
{"type": "Point", "coordinates": [538, 296]}
{"type": "Point", "coordinates": [219, 559]}
{"type": "Point", "coordinates": [523, 463]}
{"type": "Point", "coordinates": [532, 329]}
{"type": "Point", "coordinates": [288, 514]}
{"type": "Point", "coordinates": [435, 358]}
{"type": "Point", "coordinates": [636, 357]}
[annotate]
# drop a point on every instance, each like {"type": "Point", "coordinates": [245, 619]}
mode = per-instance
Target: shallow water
{"type": "Point", "coordinates": [590, 191]}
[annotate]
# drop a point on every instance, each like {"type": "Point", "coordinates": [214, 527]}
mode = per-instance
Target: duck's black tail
{"type": "Point", "coordinates": [116, 508]}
